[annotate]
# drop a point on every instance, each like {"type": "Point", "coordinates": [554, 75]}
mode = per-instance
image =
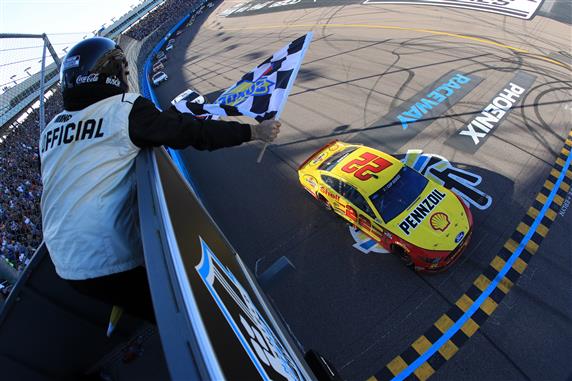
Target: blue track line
{"type": "Point", "coordinates": [467, 315]}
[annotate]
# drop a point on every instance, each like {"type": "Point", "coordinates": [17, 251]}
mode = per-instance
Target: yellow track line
{"type": "Point", "coordinates": [435, 32]}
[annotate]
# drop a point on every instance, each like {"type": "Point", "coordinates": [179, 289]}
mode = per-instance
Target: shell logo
{"type": "Point", "coordinates": [439, 221]}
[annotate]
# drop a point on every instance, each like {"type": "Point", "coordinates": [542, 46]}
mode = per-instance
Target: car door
{"type": "Point", "coordinates": [359, 211]}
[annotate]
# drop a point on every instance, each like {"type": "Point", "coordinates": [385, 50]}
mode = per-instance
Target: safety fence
{"type": "Point", "coordinates": [19, 91]}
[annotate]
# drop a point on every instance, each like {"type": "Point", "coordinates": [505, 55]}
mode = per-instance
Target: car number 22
{"type": "Point", "coordinates": [367, 161]}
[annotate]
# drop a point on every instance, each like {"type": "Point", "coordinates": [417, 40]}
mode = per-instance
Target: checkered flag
{"type": "Point", "coordinates": [261, 93]}
{"type": "Point", "coordinates": [206, 111]}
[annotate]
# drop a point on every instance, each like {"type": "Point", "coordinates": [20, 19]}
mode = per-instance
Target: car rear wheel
{"type": "Point", "coordinates": [402, 255]}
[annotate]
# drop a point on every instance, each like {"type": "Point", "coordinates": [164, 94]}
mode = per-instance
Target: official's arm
{"type": "Point", "coordinates": [149, 127]}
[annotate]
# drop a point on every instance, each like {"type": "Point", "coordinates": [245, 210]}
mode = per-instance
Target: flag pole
{"type": "Point", "coordinates": [259, 158]}
{"type": "Point", "coordinates": [266, 144]}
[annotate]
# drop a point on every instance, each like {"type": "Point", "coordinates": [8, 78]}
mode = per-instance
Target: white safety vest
{"type": "Point", "coordinates": [89, 204]}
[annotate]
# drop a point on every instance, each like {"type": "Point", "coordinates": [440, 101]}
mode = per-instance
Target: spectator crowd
{"type": "Point", "coordinates": [21, 187]}
{"type": "Point", "coordinates": [170, 10]}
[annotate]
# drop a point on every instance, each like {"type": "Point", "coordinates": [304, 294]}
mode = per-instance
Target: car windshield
{"type": "Point", "coordinates": [396, 196]}
{"type": "Point", "coordinates": [333, 160]}
{"type": "Point", "coordinates": [158, 75]}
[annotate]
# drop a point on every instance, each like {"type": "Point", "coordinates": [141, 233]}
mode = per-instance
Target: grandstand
{"type": "Point", "coordinates": [21, 96]}
{"type": "Point", "coordinates": [128, 19]}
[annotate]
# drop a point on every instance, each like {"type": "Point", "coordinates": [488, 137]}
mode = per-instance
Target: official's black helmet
{"type": "Point", "coordinates": [93, 65]}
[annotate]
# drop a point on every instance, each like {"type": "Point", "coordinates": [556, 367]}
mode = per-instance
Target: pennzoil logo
{"type": "Point", "coordinates": [416, 217]}
{"type": "Point", "coordinates": [439, 221]}
{"type": "Point", "coordinates": [244, 90]}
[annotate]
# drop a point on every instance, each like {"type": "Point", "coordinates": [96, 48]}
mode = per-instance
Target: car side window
{"type": "Point", "coordinates": [363, 205]}
{"type": "Point", "coordinates": [332, 183]}
{"type": "Point", "coordinates": [355, 197]}
{"type": "Point", "coordinates": [349, 192]}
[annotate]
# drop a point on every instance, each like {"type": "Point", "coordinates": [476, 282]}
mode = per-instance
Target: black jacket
{"type": "Point", "coordinates": [149, 127]}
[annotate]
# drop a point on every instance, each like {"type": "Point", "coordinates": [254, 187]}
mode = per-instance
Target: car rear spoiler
{"type": "Point", "coordinates": [317, 152]}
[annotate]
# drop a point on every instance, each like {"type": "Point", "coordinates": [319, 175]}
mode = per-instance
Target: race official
{"type": "Point", "coordinates": [87, 152]}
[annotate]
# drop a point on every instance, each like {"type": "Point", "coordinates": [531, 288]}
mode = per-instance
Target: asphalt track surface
{"type": "Point", "coordinates": [362, 311]}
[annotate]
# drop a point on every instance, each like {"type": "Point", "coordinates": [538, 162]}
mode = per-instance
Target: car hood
{"type": "Point", "coordinates": [436, 220]}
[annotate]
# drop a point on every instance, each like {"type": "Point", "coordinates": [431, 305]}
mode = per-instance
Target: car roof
{"type": "Point", "coordinates": [371, 185]}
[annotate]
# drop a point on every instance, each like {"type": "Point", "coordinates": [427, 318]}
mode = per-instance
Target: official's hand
{"type": "Point", "coordinates": [265, 131]}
